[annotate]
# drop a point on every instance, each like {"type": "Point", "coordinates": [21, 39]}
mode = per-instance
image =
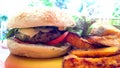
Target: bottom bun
{"type": "Point", "coordinates": [35, 50]}
{"type": "Point", "coordinates": [72, 61]}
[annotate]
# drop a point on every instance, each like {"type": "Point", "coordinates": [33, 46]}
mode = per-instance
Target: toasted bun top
{"type": "Point", "coordinates": [34, 17]}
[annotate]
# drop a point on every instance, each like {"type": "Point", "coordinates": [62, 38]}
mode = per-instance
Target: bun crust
{"type": "Point", "coordinates": [36, 51]}
{"type": "Point", "coordinates": [34, 17]}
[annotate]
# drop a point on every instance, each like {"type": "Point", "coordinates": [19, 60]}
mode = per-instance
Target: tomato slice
{"type": "Point", "coordinates": [59, 39]}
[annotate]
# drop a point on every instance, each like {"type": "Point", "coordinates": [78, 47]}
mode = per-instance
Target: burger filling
{"type": "Point", "coordinates": [36, 35]}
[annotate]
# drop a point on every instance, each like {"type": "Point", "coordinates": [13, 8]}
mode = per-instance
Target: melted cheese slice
{"type": "Point", "coordinates": [28, 31]}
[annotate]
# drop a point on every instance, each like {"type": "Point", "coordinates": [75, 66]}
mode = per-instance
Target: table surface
{"type": "Point", "coordinates": [4, 52]}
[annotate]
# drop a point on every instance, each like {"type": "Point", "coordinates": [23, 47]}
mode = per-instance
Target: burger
{"type": "Point", "coordinates": [39, 32]}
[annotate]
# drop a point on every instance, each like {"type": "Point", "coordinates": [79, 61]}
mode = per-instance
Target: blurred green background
{"type": "Point", "coordinates": [102, 9]}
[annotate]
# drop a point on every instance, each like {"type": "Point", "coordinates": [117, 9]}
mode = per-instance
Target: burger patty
{"type": "Point", "coordinates": [44, 35]}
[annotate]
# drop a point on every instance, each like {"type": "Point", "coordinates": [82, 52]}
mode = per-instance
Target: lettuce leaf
{"type": "Point", "coordinates": [11, 32]}
{"type": "Point", "coordinates": [82, 26]}
{"type": "Point", "coordinates": [115, 22]}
